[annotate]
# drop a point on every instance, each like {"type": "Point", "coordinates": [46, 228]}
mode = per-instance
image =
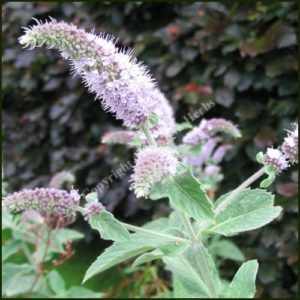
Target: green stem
{"type": "Point", "coordinates": [154, 233]}
{"type": "Point", "coordinates": [199, 253]}
{"type": "Point", "coordinates": [148, 135]}
{"type": "Point", "coordinates": [241, 187]}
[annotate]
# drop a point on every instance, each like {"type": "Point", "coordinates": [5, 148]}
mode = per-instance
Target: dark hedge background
{"type": "Point", "coordinates": [242, 56]}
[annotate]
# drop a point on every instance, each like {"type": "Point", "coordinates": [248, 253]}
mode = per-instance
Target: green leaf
{"type": "Point", "coordinates": [157, 192]}
{"type": "Point", "coordinates": [243, 283]}
{"type": "Point", "coordinates": [173, 249]}
{"type": "Point", "coordinates": [121, 251]}
{"type": "Point", "coordinates": [80, 292]}
{"type": "Point", "coordinates": [56, 282]}
{"type": "Point", "coordinates": [188, 277]}
{"type": "Point", "coordinates": [109, 227]}
{"type": "Point", "coordinates": [187, 196]}
{"type": "Point", "coordinates": [10, 248]}
{"type": "Point", "coordinates": [260, 157]}
{"type": "Point", "coordinates": [183, 126]}
{"type": "Point", "coordinates": [250, 209]}
{"type": "Point", "coordinates": [271, 172]}
{"type": "Point", "coordinates": [16, 279]}
{"type": "Point", "coordinates": [179, 289]}
{"type": "Point", "coordinates": [153, 120]}
{"type": "Point", "coordinates": [226, 249]}
{"type": "Point", "coordinates": [147, 257]}
{"type": "Point", "coordinates": [91, 197]}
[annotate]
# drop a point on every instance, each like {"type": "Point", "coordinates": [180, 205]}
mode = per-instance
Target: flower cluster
{"type": "Point", "coordinates": [208, 129]}
{"type": "Point", "coordinates": [152, 165]}
{"type": "Point", "coordinates": [220, 152]}
{"type": "Point", "coordinates": [44, 200]}
{"type": "Point", "coordinates": [275, 158]}
{"type": "Point", "coordinates": [124, 85]}
{"type": "Point", "coordinates": [290, 145]}
{"type": "Point", "coordinates": [164, 130]}
{"type": "Point", "coordinates": [287, 153]}
{"type": "Point", "coordinates": [58, 180]}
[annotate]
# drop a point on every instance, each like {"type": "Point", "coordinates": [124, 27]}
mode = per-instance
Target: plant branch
{"type": "Point", "coordinates": [148, 135]}
{"type": "Point", "coordinates": [40, 267]}
{"type": "Point", "coordinates": [235, 192]}
{"type": "Point", "coordinates": [199, 253]}
{"type": "Point", "coordinates": [154, 233]}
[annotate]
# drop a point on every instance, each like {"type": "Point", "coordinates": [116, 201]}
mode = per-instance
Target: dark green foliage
{"type": "Point", "coordinates": [244, 56]}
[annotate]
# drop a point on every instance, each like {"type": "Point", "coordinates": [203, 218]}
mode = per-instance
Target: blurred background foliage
{"type": "Point", "coordinates": [243, 56]}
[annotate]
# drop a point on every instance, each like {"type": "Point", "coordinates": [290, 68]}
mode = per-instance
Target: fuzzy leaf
{"type": "Point", "coordinates": [121, 251]}
{"type": "Point", "coordinates": [243, 283]}
{"type": "Point", "coordinates": [56, 282]}
{"type": "Point", "coordinates": [226, 249]}
{"type": "Point", "coordinates": [186, 195]}
{"type": "Point", "coordinates": [250, 209]}
{"type": "Point", "coordinates": [109, 227]}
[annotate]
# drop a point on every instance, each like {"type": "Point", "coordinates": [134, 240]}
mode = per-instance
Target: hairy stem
{"type": "Point", "coordinates": [148, 135]}
{"type": "Point", "coordinates": [154, 233]}
{"type": "Point", "coordinates": [40, 265]}
{"type": "Point", "coordinates": [235, 192]}
{"type": "Point", "coordinates": [199, 253]}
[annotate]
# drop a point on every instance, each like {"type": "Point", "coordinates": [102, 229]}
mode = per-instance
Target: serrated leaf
{"type": "Point", "coordinates": [226, 249]}
{"type": "Point", "coordinates": [187, 196]}
{"type": "Point", "coordinates": [243, 283]}
{"type": "Point", "coordinates": [249, 210]}
{"type": "Point", "coordinates": [147, 257]}
{"type": "Point", "coordinates": [56, 282]}
{"type": "Point", "coordinates": [109, 227]}
{"type": "Point", "coordinates": [121, 251]}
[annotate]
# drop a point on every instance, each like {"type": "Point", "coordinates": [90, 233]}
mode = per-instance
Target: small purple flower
{"type": "Point", "coordinates": [58, 180]}
{"type": "Point", "coordinates": [204, 155]}
{"type": "Point", "coordinates": [124, 85]}
{"type": "Point", "coordinates": [195, 136]}
{"type": "Point", "coordinates": [164, 130]}
{"type": "Point", "coordinates": [220, 152]}
{"type": "Point", "coordinates": [211, 170]}
{"type": "Point", "coordinates": [216, 125]}
{"type": "Point", "coordinates": [275, 158]}
{"type": "Point", "coordinates": [209, 128]}
{"type": "Point", "coordinates": [152, 165]}
{"type": "Point", "coordinates": [44, 200]}
{"type": "Point", "coordinates": [94, 208]}
{"type": "Point", "coordinates": [290, 145]}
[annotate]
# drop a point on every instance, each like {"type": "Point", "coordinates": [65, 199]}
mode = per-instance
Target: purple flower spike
{"type": "Point", "coordinates": [152, 165]}
{"type": "Point", "coordinates": [220, 152]}
{"type": "Point", "coordinates": [290, 145]}
{"type": "Point", "coordinates": [123, 84]}
{"type": "Point", "coordinates": [209, 128]}
{"type": "Point", "coordinates": [60, 178]}
{"type": "Point", "coordinates": [44, 200]}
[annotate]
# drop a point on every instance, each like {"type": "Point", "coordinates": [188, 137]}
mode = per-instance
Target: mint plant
{"type": "Point", "coordinates": [193, 236]}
